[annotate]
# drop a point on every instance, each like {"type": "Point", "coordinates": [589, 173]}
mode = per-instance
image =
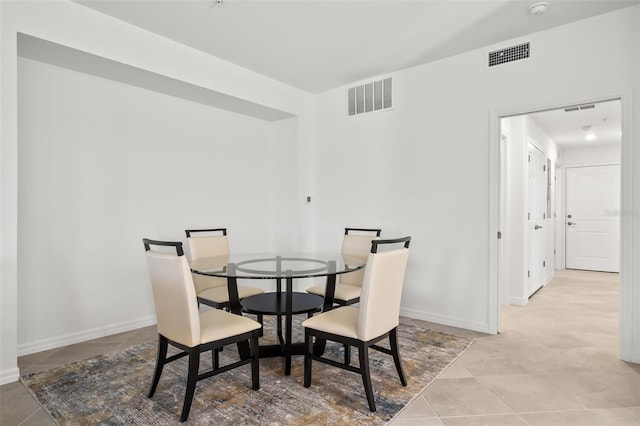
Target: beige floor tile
{"type": "Point", "coordinates": [35, 368]}
{"type": "Point", "coordinates": [490, 363]}
{"type": "Point", "coordinates": [495, 420]}
{"type": "Point", "coordinates": [565, 418]}
{"type": "Point", "coordinates": [595, 390]}
{"type": "Point", "coordinates": [39, 418]}
{"type": "Point", "coordinates": [17, 404]}
{"type": "Point", "coordinates": [627, 416]}
{"type": "Point", "coordinates": [36, 358]}
{"type": "Point", "coordinates": [463, 397]}
{"type": "Point", "coordinates": [432, 421]}
{"type": "Point", "coordinates": [78, 352]}
{"type": "Point", "coordinates": [528, 393]}
{"type": "Point", "coordinates": [575, 360]}
{"type": "Point", "coordinates": [419, 407]}
{"type": "Point", "coordinates": [455, 371]}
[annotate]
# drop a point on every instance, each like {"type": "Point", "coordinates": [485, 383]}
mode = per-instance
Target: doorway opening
{"type": "Point", "coordinates": [559, 197]}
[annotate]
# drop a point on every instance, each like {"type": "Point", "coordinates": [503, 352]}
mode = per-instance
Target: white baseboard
{"type": "Point", "coordinates": [445, 320]}
{"type": "Point", "coordinates": [9, 375]}
{"type": "Point", "coordinates": [83, 336]}
{"type": "Point", "coordinates": [520, 301]}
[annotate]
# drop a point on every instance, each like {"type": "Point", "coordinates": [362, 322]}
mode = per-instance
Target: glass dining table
{"type": "Point", "coordinates": [284, 302]}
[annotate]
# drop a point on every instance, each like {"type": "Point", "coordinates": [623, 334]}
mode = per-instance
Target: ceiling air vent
{"type": "Point", "coordinates": [579, 107]}
{"type": "Point", "coordinates": [369, 97]}
{"type": "Point", "coordinates": [510, 54]}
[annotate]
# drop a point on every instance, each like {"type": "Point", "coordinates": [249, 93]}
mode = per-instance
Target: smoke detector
{"type": "Point", "coordinates": [539, 8]}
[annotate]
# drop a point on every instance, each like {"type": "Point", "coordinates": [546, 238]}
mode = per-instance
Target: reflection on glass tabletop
{"type": "Point", "coordinates": [269, 266]}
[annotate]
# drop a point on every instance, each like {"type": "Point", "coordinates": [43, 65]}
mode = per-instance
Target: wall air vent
{"type": "Point", "coordinates": [509, 54]}
{"type": "Point", "coordinates": [369, 97]}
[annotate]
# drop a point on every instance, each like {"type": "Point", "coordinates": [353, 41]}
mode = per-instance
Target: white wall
{"type": "Point", "coordinates": [590, 156]}
{"type": "Point", "coordinates": [102, 165]}
{"type": "Point", "coordinates": [514, 257]}
{"type": "Point", "coordinates": [422, 168]}
{"type": "Point", "coordinates": [107, 125]}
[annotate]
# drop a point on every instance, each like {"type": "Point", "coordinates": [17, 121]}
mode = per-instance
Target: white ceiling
{"type": "Point", "coordinates": [570, 128]}
{"type": "Point", "coordinates": [316, 45]}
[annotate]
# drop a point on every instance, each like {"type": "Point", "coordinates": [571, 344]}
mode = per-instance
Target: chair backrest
{"type": "Point", "coordinates": [173, 293]}
{"type": "Point", "coordinates": [382, 289]}
{"type": "Point", "coordinates": [357, 243]}
{"type": "Point", "coordinates": [207, 246]}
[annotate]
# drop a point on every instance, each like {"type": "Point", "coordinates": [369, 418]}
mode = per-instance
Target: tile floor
{"type": "Point", "coordinates": [554, 363]}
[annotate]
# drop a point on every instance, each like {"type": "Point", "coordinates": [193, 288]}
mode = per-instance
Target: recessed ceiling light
{"type": "Point", "coordinates": [590, 136]}
{"type": "Point", "coordinates": [539, 8]}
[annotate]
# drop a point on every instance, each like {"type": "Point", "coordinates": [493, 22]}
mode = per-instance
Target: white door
{"type": "Point", "coordinates": [592, 222]}
{"type": "Point", "coordinates": [536, 215]}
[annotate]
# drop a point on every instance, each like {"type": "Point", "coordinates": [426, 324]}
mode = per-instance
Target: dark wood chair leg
{"type": "Point", "coordinates": [215, 358]}
{"type": "Point", "coordinates": [347, 354]}
{"type": "Point", "coordinates": [255, 362]}
{"type": "Point", "coordinates": [393, 343]}
{"type": "Point", "coordinates": [163, 344]}
{"type": "Point", "coordinates": [308, 350]}
{"type": "Point", "coordinates": [363, 352]}
{"type": "Point", "coordinates": [261, 321]}
{"type": "Point", "coordinates": [192, 378]}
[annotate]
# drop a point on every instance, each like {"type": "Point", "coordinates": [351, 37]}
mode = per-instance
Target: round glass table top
{"type": "Point", "coordinates": [269, 266]}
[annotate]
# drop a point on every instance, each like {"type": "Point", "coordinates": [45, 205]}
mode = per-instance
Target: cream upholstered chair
{"type": "Point", "coordinates": [377, 316]}
{"type": "Point", "coordinates": [210, 290]}
{"type": "Point", "coordinates": [356, 243]}
{"type": "Point", "coordinates": [184, 327]}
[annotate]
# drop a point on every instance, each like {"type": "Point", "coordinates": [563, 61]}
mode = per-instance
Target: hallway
{"type": "Point", "coordinates": [555, 362]}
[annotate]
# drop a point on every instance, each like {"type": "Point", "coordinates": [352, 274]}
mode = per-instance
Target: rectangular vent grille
{"type": "Point", "coordinates": [369, 97]}
{"type": "Point", "coordinates": [578, 108]}
{"type": "Point", "coordinates": [510, 54]}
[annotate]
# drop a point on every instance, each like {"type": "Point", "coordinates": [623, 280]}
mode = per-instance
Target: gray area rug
{"type": "Point", "coordinates": [111, 389]}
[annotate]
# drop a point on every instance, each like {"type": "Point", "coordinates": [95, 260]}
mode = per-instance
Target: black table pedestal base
{"type": "Point", "coordinates": [281, 305]}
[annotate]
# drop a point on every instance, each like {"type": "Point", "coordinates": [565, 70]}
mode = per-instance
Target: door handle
{"type": "Point", "coordinates": [571, 223]}
{"type": "Point", "coordinates": [537, 227]}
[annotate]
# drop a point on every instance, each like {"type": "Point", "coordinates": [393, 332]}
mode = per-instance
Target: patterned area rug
{"type": "Point", "coordinates": [111, 389]}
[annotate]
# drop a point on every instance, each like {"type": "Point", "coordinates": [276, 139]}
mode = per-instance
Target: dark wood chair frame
{"type": "Point", "coordinates": [194, 352]}
{"type": "Point", "coordinates": [340, 302]}
{"type": "Point", "coordinates": [225, 305]}
{"type": "Point", "coordinates": [233, 290]}
{"type": "Point", "coordinates": [353, 301]}
{"type": "Point", "coordinates": [363, 347]}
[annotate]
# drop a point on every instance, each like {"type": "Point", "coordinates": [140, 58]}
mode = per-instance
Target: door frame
{"type": "Point", "coordinates": [496, 205]}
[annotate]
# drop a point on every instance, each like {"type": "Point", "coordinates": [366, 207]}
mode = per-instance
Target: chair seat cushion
{"type": "Point", "coordinates": [342, 321]}
{"type": "Point", "coordinates": [221, 294]}
{"type": "Point", "coordinates": [343, 291]}
{"type": "Point", "coordinates": [216, 324]}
